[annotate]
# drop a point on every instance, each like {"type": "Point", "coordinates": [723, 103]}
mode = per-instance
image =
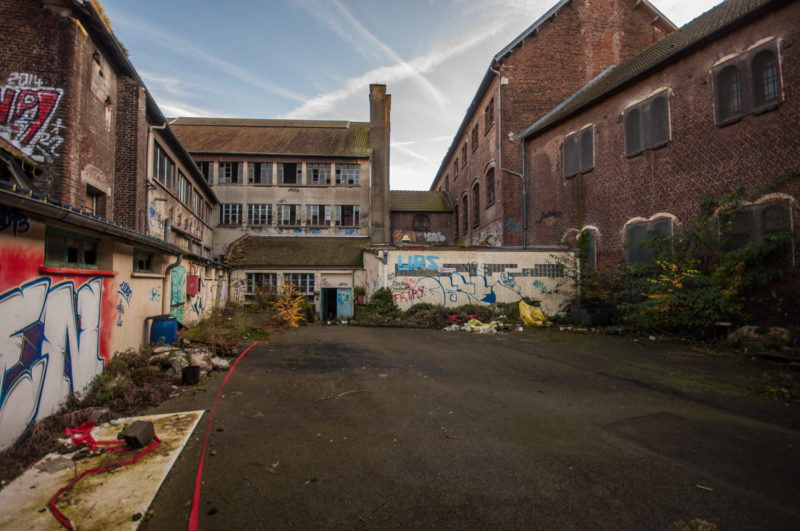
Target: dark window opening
{"type": "Point", "coordinates": [290, 173]}
{"type": "Point", "coordinates": [475, 137]}
{"type": "Point", "coordinates": [766, 78]}
{"type": "Point", "coordinates": [488, 115]}
{"type": "Point", "coordinates": [347, 215]}
{"type": "Point", "coordinates": [476, 202]}
{"type": "Point", "coordinates": [421, 223]}
{"type": "Point", "coordinates": [259, 173]}
{"type": "Point", "coordinates": [205, 169]}
{"type": "Point", "coordinates": [490, 187]}
{"type": "Point", "coordinates": [465, 214]}
{"type": "Point", "coordinates": [142, 261]}
{"type": "Point", "coordinates": [68, 249]}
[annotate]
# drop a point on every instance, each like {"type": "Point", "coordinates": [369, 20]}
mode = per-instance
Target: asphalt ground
{"type": "Point", "coordinates": [347, 428]}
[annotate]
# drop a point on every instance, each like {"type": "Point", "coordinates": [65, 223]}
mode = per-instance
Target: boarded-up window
{"type": "Point", "coordinates": [637, 235]}
{"type": "Point", "coordinates": [647, 124]}
{"type": "Point", "coordinates": [578, 152]}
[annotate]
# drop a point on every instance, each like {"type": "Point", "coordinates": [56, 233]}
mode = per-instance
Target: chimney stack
{"type": "Point", "coordinates": [380, 105]}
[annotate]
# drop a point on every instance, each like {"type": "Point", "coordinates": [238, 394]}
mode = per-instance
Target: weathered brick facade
{"type": "Point", "coordinates": [565, 49]}
{"type": "Point", "coordinates": [700, 157]}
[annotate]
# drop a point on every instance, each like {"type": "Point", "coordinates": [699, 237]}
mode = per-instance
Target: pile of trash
{"type": "Point", "coordinates": [478, 327]}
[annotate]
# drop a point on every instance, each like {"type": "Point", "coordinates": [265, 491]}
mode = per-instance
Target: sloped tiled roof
{"type": "Point", "coordinates": [278, 137]}
{"type": "Point", "coordinates": [404, 201]}
{"type": "Point", "coordinates": [696, 33]}
{"type": "Point", "coordinates": [297, 251]}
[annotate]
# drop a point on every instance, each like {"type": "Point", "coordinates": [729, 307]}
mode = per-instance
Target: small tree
{"type": "Point", "coordinates": [289, 306]}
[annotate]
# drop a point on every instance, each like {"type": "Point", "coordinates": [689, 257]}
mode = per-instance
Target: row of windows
{"type": "Point", "coordinates": [488, 121]}
{"type": "Point", "coordinates": [463, 223]}
{"type": "Point", "coordinates": [290, 173]}
{"type": "Point", "coordinates": [304, 282]}
{"type": "Point", "coordinates": [290, 215]}
{"type": "Point", "coordinates": [747, 84]}
{"type": "Point", "coordinates": [746, 224]}
{"type": "Point", "coordinates": [175, 181]}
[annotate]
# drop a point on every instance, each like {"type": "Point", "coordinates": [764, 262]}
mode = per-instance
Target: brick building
{"type": "Point", "coordinates": [711, 107]}
{"type": "Point", "coordinates": [568, 46]}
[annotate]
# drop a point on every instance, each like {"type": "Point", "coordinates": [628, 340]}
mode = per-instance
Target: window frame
{"type": "Point", "coordinates": [488, 116]}
{"type": "Point", "coordinates": [259, 211]}
{"type": "Point", "coordinates": [287, 221]}
{"type": "Point", "coordinates": [264, 173]}
{"type": "Point", "coordinates": [303, 280]}
{"type": "Point", "coordinates": [227, 211]}
{"type": "Point", "coordinates": [223, 177]}
{"type": "Point", "coordinates": [51, 233]}
{"type": "Point", "coordinates": [142, 253]}
{"type": "Point", "coordinates": [649, 226]}
{"type": "Point", "coordinates": [578, 140]}
{"type": "Point", "coordinates": [645, 117]}
{"type": "Point", "coordinates": [490, 187]}
{"type": "Point", "coordinates": [474, 139]}
{"type": "Point", "coordinates": [340, 216]}
{"type": "Point", "coordinates": [252, 276]}
{"type": "Point", "coordinates": [318, 173]}
{"type": "Point", "coordinates": [348, 172]}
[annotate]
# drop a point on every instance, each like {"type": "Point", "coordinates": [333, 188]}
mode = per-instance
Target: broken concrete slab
{"type": "Point", "coordinates": [95, 501]}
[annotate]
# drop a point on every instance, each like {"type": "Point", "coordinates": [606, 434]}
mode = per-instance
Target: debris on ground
{"type": "Point", "coordinates": [475, 326]}
{"type": "Point", "coordinates": [532, 315]}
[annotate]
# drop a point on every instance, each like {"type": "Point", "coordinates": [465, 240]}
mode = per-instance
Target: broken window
{"type": "Point", "coordinates": [229, 173]}
{"type": "Point", "coordinates": [264, 281]}
{"type": "Point", "coordinates": [205, 168]}
{"type": "Point", "coordinates": [69, 249]}
{"type": "Point", "coordinates": [288, 215]}
{"type": "Point", "coordinates": [347, 174]}
{"type": "Point", "coordinates": [95, 202]}
{"type": "Point", "coordinates": [259, 172]}
{"type": "Point", "coordinates": [578, 152]}
{"type": "Point", "coordinates": [290, 173]}
{"type": "Point", "coordinates": [647, 124]}
{"type": "Point", "coordinates": [230, 214]}
{"type": "Point", "coordinates": [318, 215]}
{"type": "Point", "coordinates": [304, 282]}
{"type": "Point", "coordinates": [347, 215]}
{"type": "Point", "coordinates": [259, 214]}
{"type": "Point", "coordinates": [319, 173]}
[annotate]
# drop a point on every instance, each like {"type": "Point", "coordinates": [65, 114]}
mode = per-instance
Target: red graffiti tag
{"type": "Point", "coordinates": [410, 294]}
{"type": "Point", "coordinates": [30, 111]}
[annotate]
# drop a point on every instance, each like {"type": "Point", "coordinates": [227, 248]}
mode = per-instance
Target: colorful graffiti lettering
{"type": "Point", "coordinates": [155, 294]}
{"type": "Point", "coordinates": [409, 295]}
{"type": "Point", "coordinates": [459, 288]}
{"type": "Point", "coordinates": [416, 262]}
{"type": "Point", "coordinates": [26, 112]}
{"type": "Point", "coordinates": [428, 237]}
{"type": "Point", "coordinates": [49, 348]}
{"type": "Point", "coordinates": [11, 218]}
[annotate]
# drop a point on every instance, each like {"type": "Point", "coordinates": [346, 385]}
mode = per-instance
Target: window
{"type": "Point", "coordinates": [488, 115]}
{"type": "Point", "coordinates": [578, 151]}
{"type": "Point", "coordinates": [589, 253]}
{"type": "Point", "coordinates": [142, 261]}
{"type": "Point", "coordinates": [197, 204]}
{"type": "Point", "coordinates": [347, 173]}
{"type": "Point", "coordinates": [288, 215]}
{"type": "Point", "coordinates": [95, 201]}
{"type": "Point", "coordinates": [290, 173]}
{"type": "Point", "coordinates": [206, 169]}
{"type": "Point", "coordinates": [747, 84]}
{"type": "Point", "coordinates": [163, 167]}
{"type": "Point", "coordinates": [447, 183]}
{"type": "Point", "coordinates": [259, 172]}
{"type": "Point", "coordinates": [230, 214]}
{"type": "Point", "coordinates": [475, 137]}
{"type": "Point", "coordinates": [259, 214]}
{"type": "Point", "coordinates": [264, 281]}
{"type": "Point", "coordinates": [753, 222]}
{"type": "Point", "coordinates": [318, 215]}
{"type": "Point", "coordinates": [421, 223]}
{"type": "Point", "coordinates": [455, 167]}
{"type": "Point", "coordinates": [465, 214]}
{"type": "Point", "coordinates": [304, 282]}
{"type": "Point", "coordinates": [68, 249]}
{"type": "Point", "coordinates": [347, 215]}
{"type": "Point", "coordinates": [319, 173]}
{"type": "Point", "coordinates": [490, 187]}
{"type": "Point", "coordinates": [637, 234]}
{"type": "Point", "coordinates": [229, 173]}
{"type": "Point", "coordinates": [464, 154]}
{"type": "Point", "coordinates": [646, 124]}
{"type": "Point", "coordinates": [476, 202]}
{"type": "Point", "coordinates": [184, 189]}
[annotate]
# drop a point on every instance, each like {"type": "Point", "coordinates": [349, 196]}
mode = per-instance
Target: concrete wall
{"type": "Point", "coordinates": [700, 158]}
{"type": "Point", "coordinates": [453, 277]}
{"type": "Point", "coordinates": [62, 325]}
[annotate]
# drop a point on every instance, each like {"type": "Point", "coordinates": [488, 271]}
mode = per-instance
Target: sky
{"type": "Point", "coordinates": [315, 59]}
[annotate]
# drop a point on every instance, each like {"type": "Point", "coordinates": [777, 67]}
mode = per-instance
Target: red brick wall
{"type": "Point", "coordinates": [441, 225]}
{"type": "Point", "coordinates": [582, 40]}
{"type": "Point", "coordinates": [131, 155]}
{"type": "Point", "coordinates": [701, 157]}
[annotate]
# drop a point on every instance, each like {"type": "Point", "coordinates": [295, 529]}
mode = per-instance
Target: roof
{"type": "Point", "coordinates": [296, 251]}
{"type": "Point", "coordinates": [486, 82]}
{"type": "Point", "coordinates": [274, 137]}
{"type": "Point", "coordinates": [695, 34]}
{"type": "Point", "coordinates": [403, 201]}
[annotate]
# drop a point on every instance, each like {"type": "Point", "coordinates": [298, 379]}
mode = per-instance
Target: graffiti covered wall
{"type": "Point", "coordinates": [456, 277]}
{"type": "Point", "coordinates": [27, 109]}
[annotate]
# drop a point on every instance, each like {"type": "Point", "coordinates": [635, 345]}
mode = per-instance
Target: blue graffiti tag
{"type": "Point", "coordinates": [416, 262]}
{"type": "Point", "coordinates": [126, 292]}
{"type": "Point", "coordinates": [14, 219]}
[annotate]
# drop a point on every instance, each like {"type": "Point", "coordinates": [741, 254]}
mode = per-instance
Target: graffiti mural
{"type": "Point", "coordinates": [177, 293]}
{"type": "Point", "coordinates": [49, 348]}
{"type": "Point", "coordinates": [13, 219]}
{"type": "Point", "coordinates": [27, 108]}
{"type": "Point", "coordinates": [410, 236]}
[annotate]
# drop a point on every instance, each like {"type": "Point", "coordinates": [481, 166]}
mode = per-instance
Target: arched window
{"type": "Point", "coordinates": [766, 78]}
{"type": "Point", "coordinates": [476, 205]}
{"type": "Point", "coordinates": [490, 187]}
{"type": "Point", "coordinates": [729, 93]}
{"type": "Point", "coordinates": [465, 214]}
{"type": "Point", "coordinates": [421, 223]}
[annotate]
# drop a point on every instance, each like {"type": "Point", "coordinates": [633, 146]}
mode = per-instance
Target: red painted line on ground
{"type": "Point", "coordinates": [195, 514]}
